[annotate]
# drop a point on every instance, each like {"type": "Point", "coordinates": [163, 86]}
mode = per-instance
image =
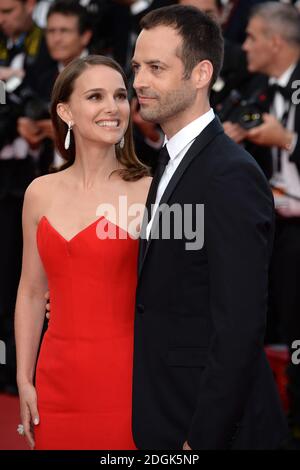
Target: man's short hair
{"type": "Point", "coordinates": [72, 8]}
{"type": "Point", "coordinates": [280, 18]}
{"type": "Point", "coordinates": [201, 36]}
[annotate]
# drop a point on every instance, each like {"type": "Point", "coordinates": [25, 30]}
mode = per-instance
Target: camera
{"type": "Point", "coordinates": [23, 102]}
{"type": "Point", "coordinates": [245, 112]}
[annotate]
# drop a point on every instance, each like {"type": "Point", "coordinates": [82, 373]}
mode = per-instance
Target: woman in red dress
{"type": "Point", "coordinates": [81, 245]}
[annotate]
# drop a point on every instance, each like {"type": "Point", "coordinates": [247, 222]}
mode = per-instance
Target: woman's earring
{"type": "Point", "coordinates": [68, 136]}
{"type": "Point", "coordinates": [122, 143]}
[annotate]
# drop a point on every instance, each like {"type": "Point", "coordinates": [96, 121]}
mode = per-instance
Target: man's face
{"type": "Point", "coordinates": [163, 93]}
{"type": "Point", "coordinates": [63, 38]}
{"type": "Point", "coordinates": [259, 46]}
{"type": "Point", "coordinates": [14, 16]}
{"type": "Point", "coordinates": [207, 6]}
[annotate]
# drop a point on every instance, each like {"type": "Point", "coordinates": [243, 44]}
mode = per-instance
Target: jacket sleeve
{"type": "Point", "coordinates": [239, 226]}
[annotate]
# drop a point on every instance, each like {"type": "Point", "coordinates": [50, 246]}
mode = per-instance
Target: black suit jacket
{"type": "Point", "coordinates": [200, 372]}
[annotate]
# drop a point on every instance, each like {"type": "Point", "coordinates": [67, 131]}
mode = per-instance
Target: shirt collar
{"type": "Point", "coordinates": [180, 140]}
{"type": "Point", "coordinates": [284, 78]}
{"type": "Point", "coordinates": [83, 54]}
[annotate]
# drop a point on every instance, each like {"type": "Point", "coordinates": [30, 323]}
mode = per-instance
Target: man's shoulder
{"type": "Point", "coordinates": [222, 149]}
{"type": "Point", "coordinates": [223, 156]}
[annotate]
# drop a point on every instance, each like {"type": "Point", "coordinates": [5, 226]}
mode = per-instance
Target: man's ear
{"type": "Point", "coordinates": [86, 37]}
{"type": "Point", "coordinates": [64, 112]}
{"type": "Point", "coordinates": [277, 42]}
{"type": "Point", "coordinates": [202, 74]}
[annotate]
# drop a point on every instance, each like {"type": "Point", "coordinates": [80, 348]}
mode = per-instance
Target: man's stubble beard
{"type": "Point", "coordinates": [169, 105]}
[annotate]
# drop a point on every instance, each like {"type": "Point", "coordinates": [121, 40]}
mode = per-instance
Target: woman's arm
{"type": "Point", "coordinates": [30, 310]}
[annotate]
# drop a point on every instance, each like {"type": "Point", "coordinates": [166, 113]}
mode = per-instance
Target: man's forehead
{"type": "Point", "coordinates": [157, 44]}
{"type": "Point", "coordinates": [61, 18]}
{"type": "Point", "coordinates": [8, 4]}
{"type": "Point", "coordinates": [256, 23]}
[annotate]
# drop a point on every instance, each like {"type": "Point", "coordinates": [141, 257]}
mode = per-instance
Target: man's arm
{"type": "Point", "coordinates": [238, 239]}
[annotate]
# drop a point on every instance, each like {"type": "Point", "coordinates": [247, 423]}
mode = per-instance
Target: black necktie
{"type": "Point", "coordinates": [163, 159]}
{"type": "Point", "coordinates": [285, 92]}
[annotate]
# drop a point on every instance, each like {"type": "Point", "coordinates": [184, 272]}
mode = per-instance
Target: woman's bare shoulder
{"type": "Point", "coordinates": [42, 184]}
{"type": "Point", "coordinates": [39, 193]}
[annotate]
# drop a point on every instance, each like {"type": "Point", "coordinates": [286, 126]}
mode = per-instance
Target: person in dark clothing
{"type": "Point", "coordinates": [273, 49]}
{"type": "Point", "coordinates": [201, 379]}
{"type": "Point", "coordinates": [22, 50]}
{"type": "Point", "coordinates": [68, 35]}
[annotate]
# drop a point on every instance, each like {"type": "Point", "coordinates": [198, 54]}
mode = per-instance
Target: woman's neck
{"type": "Point", "coordinates": [94, 165]}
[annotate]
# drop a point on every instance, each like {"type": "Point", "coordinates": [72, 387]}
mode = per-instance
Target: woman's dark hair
{"type": "Point", "coordinates": [63, 89]}
{"type": "Point", "coordinates": [201, 36]}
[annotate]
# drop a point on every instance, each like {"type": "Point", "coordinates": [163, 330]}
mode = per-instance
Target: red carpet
{"type": "Point", "coordinates": [9, 405]}
{"type": "Point", "coordinates": [9, 419]}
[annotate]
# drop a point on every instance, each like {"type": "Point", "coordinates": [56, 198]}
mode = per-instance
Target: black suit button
{"type": "Point", "coordinates": [140, 309]}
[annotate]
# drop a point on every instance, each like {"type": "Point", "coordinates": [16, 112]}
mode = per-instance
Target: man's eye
{"type": "Point", "coordinates": [135, 68]}
{"type": "Point", "coordinates": [156, 68]}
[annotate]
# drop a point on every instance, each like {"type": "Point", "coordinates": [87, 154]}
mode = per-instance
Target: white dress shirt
{"type": "Point", "coordinates": [288, 177]}
{"type": "Point", "coordinates": [177, 147]}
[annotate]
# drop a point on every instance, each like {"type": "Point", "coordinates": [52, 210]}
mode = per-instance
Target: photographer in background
{"type": "Point", "coordinates": [68, 35]}
{"type": "Point", "coordinates": [273, 49]}
{"type": "Point", "coordinates": [22, 49]}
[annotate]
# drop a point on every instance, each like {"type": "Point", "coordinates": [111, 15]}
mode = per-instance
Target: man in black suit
{"type": "Point", "coordinates": [201, 379]}
{"type": "Point", "coordinates": [273, 48]}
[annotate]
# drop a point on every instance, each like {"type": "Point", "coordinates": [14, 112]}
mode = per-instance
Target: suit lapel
{"type": "Point", "coordinates": [295, 76]}
{"type": "Point", "coordinates": [204, 138]}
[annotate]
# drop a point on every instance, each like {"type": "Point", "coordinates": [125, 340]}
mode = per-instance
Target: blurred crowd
{"type": "Point", "coordinates": [256, 98]}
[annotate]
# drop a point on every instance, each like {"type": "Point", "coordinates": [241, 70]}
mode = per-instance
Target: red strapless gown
{"type": "Point", "coordinates": [84, 369]}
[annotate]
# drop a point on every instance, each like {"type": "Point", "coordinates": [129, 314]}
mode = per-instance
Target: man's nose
{"type": "Point", "coordinates": [245, 45]}
{"type": "Point", "coordinates": [140, 80]}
